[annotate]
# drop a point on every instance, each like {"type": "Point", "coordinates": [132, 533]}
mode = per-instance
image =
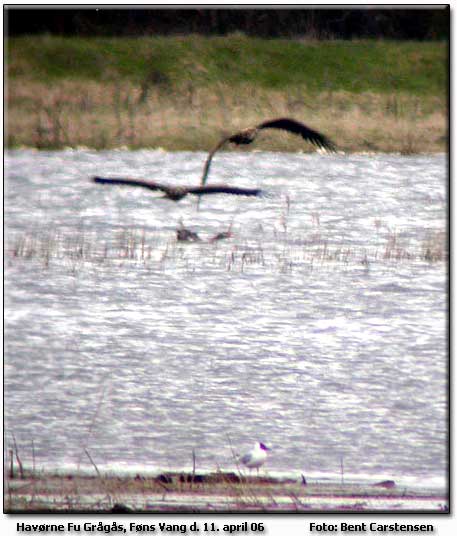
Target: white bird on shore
{"type": "Point", "coordinates": [256, 457]}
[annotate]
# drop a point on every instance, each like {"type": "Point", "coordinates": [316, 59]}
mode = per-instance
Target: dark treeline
{"type": "Point", "coordinates": [314, 23]}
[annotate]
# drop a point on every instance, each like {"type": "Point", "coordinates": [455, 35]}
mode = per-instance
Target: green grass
{"type": "Point", "coordinates": [419, 68]}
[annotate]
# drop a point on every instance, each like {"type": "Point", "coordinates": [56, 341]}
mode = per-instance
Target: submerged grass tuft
{"type": "Point", "coordinates": [290, 252]}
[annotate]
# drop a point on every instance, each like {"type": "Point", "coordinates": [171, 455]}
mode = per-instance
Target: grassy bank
{"type": "Point", "coordinates": [182, 93]}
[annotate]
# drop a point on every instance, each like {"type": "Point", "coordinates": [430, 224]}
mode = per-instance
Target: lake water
{"type": "Point", "coordinates": [319, 328]}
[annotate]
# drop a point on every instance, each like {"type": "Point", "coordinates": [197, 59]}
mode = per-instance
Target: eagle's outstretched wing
{"type": "Point", "coordinates": [176, 193]}
{"type": "Point", "coordinates": [295, 127]}
{"type": "Point", "coordinates": [223, 189]}
{"type": "Point", "coordinates": [248, 135]}
{"type": "Point", "coordinates": [150, 185]}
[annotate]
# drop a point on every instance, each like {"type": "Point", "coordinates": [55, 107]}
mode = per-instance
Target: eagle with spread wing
{"type": "Point", "coordinates": [248, 135]}
{"type": "Point", "coordinates": [175, 193]}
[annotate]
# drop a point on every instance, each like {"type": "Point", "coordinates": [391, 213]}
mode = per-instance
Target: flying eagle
{"type": "Point", "coordinates": [248, 135]}
{"type": "Point", "coordinates": [175, 193]}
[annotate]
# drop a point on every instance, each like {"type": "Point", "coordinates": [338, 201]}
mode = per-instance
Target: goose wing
{"type": "Point", "coordinates": [223, 189]}
{"type": "Point", "coordinates": [246, 458]}
{"type": "Point", "coordinates": [130, 182]}
{"type": "Point", "coordinates": [291, 125]}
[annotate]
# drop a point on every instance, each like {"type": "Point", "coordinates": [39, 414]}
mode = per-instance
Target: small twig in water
{"type": "Point", "coordinates": [33, 458]}
{"type": "Point", "coordinates": [193, 468]}
{"type": "Point", "coordinates": [16, 452]}
{"type": "Point", "coordinates": [11, 464]}
{"type": "Point", "coordinates": [92, 462]}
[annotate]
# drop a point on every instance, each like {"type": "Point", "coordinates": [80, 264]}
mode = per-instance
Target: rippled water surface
{"type": "Point", "coordinates": [318, 328]}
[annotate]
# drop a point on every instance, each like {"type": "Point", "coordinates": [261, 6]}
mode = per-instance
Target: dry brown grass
{"type": "Point", "coordinates": [118, 113]}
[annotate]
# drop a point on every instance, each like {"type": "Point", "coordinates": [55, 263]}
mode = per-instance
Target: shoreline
{"type": "Point", "coordinates": [123, 148]}
{"type": "Point", "coordinates": [225, 492]}
{"type": "Point", "coordinates": [191, 93]}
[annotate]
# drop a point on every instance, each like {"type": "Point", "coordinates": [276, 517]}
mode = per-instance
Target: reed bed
{"type": "Point", "coordinates": [161, 251]}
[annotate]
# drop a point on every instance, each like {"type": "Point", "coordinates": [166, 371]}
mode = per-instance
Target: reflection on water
{"type": "Point", "coordinates": [319, 328]}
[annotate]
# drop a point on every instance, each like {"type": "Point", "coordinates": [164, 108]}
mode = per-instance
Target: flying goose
{"type": "Point", "coordinates": [248, 135]}
{"type": "Point", "coordinates": [176, 193]}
